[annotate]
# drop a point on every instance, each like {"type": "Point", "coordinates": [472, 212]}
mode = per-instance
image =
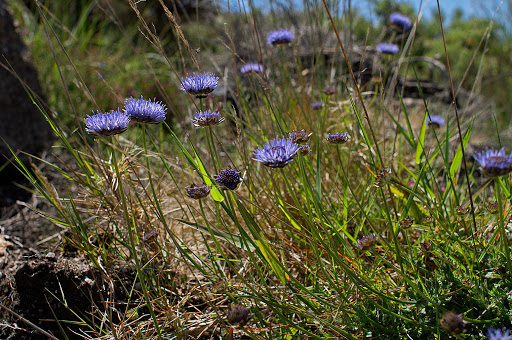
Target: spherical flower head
{"type": "Point", "coordinates": [276, 153]}
{"type": "Point", "coordinates": [387, 48]}
{"type": "Point", "coordinates": [238, 315]}
{"type": "Point", "coordinates": [329, 90]}
{"type": "Point", "coordinates": [228, 179]}
{"type": "Point", "coordinates": [107, 124]}
{"type": "Point", "coordinates": [493, 162]}
{"type": "Point", "coordinates": [299, 136]}
{"type": "Point", "coordinates": [199, 85]}
{"type": "Point", "coordinates": [498, 334]}
{"type": "Point", "coordinates": [280, 37]}
{"type": "Point", "coordinates": [145, 111]}
{"type": "Point", "coordinates": [400, 21]}
{"type": "Point", "coordinates": [382, 178]}
{"type": "Point", "coordinates": [251, 68]}
{"type": "Point", "coordinates": [317, 105]}
{"type": "Point", "coordinates": [207, 118]}
{"type": "Point", "coordinates": [452, 322]}
{"type": "Point", "coordinates": [305, 149]}
{"type": "Point", "coordinates": [366, 242]}
{"type": "Point", "coordinates": [198, 191]}
{"type": "Point", "coordinates": [338, 138]}
{"type": "Point", "coordinates": [435, 121]}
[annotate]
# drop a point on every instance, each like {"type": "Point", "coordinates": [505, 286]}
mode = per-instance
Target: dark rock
{"type": "Point", "coordinates": [23, 127]}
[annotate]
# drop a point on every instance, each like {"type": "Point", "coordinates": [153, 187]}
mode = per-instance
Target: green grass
{"type": "Point", "coordinates": [285, 244]}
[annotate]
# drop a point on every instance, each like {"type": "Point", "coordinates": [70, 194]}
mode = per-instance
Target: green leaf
{"type": "Point", "coordinates": [421, 140]}
{"type": "Point", "coordinates": [216, 195]}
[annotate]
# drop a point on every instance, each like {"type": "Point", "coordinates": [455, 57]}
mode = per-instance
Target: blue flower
{"type": "Point", "coordinates": [400, 21]}
{"type": "Point", "coordinates": [197, 191]}
{"type": "Point", "coordinates": [498, 334]}
{"type": "Point", "coordinates": [207, 118]}
{"type": "Point", "coordinates": [317, 105]}
{"type": "Point", "coordinates": [106, 124]}
{"type": "Point", "coordinates": [199, 85]}
{"type": "Point", "coordinates": [434, 120]}
{"type": "Point", "coordinates": [387, 48]}
{"type": "Point", "coordinates": [338, 138]}
{"type": "Point", "coordinates": [276, 153]}
{"type": "Point", "coordinates": [366, 242]}
{"type": "Point", "coordinates": [251, 68]}
{"type": "Point", "coordinates": [238, 315]}
{"type": "Point", "coordinates": [145, 111]}
{"type": "Point", "coordinates": [299, 136]}
{"type": "Point", "coordinates": [305, 149]}
{"type": "Point", "coordinates": [329, 90]}
{"type": "Point", "coordinates": [280, 37]}
{"type": "Point", "coordinates": [228, 179]}
{"type": "Point", "coordinates": [493, 162]}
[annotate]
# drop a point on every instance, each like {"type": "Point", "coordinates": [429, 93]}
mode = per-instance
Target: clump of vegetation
{"type": "Point", "coordinates": [288, 199]}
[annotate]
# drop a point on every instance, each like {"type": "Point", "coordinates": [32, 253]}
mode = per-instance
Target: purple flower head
{"type": "Point", "coordinates": [387, 48]}
{"type": "Point", "coordinates": [338, 138]}
{"type": "Point", "coordinates": [145, 111]}
{"type": "Point", "coordinates": [366, 242]}
{"type": "Point", "coordinates": [197, 191]}
{"type": "Point", "coordinates": [498, 334]}
{"type": "Point", "coordinates": [276, 153]}
{"type": "Point", "coordinates": [280, 37]}
{"type": "Point", "coordinates": [238, 315]}
{"type": "Point", "coordinates": [435, 121]}
{"type": "Point", "coordinates": [199, 85]}
{"type": "Point", "coordinates": [317, 105]}
{"type": "Point", "coordinates": [493, 162]}
{"type": "Point", "coordinates": [329, 90]}
{"type": "Point", "coordinates": [207, 118]}
{"type": "Point", "coordinates": [251, 68]}
{"type": "Point", "coordinates": [305, 149]}
{"type": "Point", "coordinates": [106, 124]}
{"type": "Point", "coordinates": [299, 136]}
{"type": "Point", "coordinates": [400, 21]}
{"type": "Point", "coordinates": [228, 179]}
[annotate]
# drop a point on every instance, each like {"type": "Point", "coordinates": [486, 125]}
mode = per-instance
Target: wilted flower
{"type": "Point", "coordinates": [145, 111]}
{"type": "Point", "coordinates": [299, 136]}
{"type": "Point", "coordinates": [228, 179]}
{"type": "Point", "coordinates": [382, 178]}
{"type": "Point", "coordinates": [238, 315]}
{"type": "Point", "coordinates": [197, 191]}
{"type": "Point", "coordinates": [317, 105]}
{"type": "Point", "coordinates": [251, 68]}
{"type": "Point", "coordinates": [434, 120]}
{"type": "Point", "coordinates": [387, 48]}
{"type": "Point", "coordinates": [106, 124]}
{"type": "Point", "coordinates": [305, 149]}
{"type": "Point", "coordinates": [493, 162]}
{"type": "Point", "coordinates": [428, 219]}
{"type": "Point", "coordinates": [276, 153]}
{"type": "Point", "coordinates": [498, 334]}
{"type": "Point", "coordinates": [400, 21]}
{"type": "Point", "coordinates": [492, 207]}
{"type": "Point", "coordinates": [406, 223]}
{"type": "Point", "coordinates": [207, 118]}
{"type": "Point", "coordinates": [280, 37]}
{"type": "Point", "coordinates": [329, 90]}
{"type": "Point", "coordinates": [460, 210]}
{"type": "Point", "coordinates": [366, 242]}
{"type": "Point", "coordinates": [452, 322]}
{"type": "Point", "coordinates": [199, 85]}
{"type": "Point", "coordinates": [338, 138]}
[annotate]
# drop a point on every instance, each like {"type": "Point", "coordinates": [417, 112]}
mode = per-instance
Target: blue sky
{"type": "Point", "coordinates": [481, 8]}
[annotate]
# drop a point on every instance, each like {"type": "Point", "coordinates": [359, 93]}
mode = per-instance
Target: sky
{"type": "Point", "coordinates": [479, 8]}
